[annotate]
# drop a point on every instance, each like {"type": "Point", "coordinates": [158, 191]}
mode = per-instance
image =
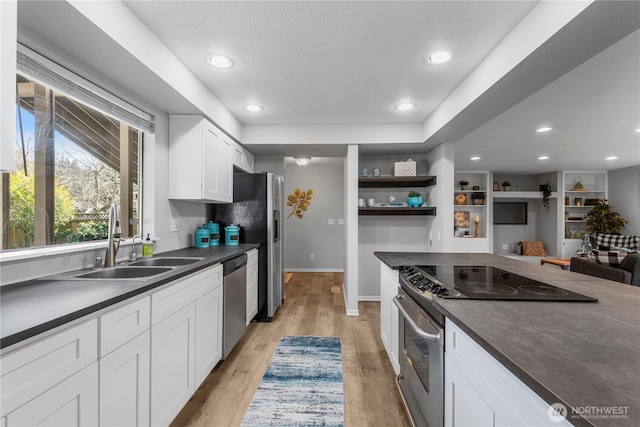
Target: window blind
{"type": "Point", "coordinates": [46, 72]}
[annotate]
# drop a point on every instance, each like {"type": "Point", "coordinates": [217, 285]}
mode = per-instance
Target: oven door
{"type": "Point", "coordinates": [421, 342]}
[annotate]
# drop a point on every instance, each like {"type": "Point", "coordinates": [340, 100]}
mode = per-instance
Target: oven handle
{"type": "Point", "coordinates": [414, 325]}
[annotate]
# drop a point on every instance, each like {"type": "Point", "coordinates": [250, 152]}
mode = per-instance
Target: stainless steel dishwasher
{"type": "Point", "coordinates": [235, 302]}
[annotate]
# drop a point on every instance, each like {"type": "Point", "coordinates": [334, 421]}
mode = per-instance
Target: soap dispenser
{"type": "Point", "coordinates": [147, 247]}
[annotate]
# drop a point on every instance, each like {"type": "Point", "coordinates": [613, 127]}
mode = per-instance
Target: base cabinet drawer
{"type": "Point", "coordinates": [183, 292]}
{"type": "Point", "coordinates": [73, 402]}
{"type": "Point", "coordinates": [125, 385]}
{"type": "Point", "coordinates": [124, 323]}
{"type": "Point", "coordinates": [31, 370]}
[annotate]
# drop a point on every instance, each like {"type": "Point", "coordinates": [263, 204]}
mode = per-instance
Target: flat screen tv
{"type": "Point", "coordinates": [510, 212]}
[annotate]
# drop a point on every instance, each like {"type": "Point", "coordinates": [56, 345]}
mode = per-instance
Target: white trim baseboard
{"type": "Point", "coordinates": [368, 298]}
{"type": "Point", "coordinates": [349, 312]}
{"type": "Point", "coordinates": [314, 270]}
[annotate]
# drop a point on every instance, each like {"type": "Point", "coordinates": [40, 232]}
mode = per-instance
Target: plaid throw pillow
{"type": "Point", "coordinates": [617, 240]}
{"type": "Point", "coordinates": [612, 258]}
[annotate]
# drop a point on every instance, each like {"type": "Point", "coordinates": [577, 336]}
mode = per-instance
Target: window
{"type": "Point", "coordinates": [71, 163]}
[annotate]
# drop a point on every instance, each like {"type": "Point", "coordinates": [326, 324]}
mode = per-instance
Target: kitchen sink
{"type": "Point", "coordinates": [124, 273]}
{"type": "Point", "coordinates": [166, 261]}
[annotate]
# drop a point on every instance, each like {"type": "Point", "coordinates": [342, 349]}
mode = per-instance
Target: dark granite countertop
{"type": "Point", "coordinates": [36, 306]}
{"type": "Point", "coordinates": [583, 355]}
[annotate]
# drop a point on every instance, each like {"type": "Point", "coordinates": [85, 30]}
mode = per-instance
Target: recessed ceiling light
{"type": "Point", "coordinates": [439, 57]}
{"type": "Point", "coordinates": [406, 106]}
{"type": "Point", "coordinates": [220, 61]}
{"type": "Point", "coordinates": [638, 130]}
{"type": "Point", "coordinates": [543, 158]}
{"type": "Point", "coordinates": [253, 108]}
{"type": "Point", "coordinates": [302, 161]}
{"type": "Point", "coordinates": [543, 129]}
{"type": "Point", "coordinates": [611, 158]}
{"type": "Point", "coordinates": [475, 158]}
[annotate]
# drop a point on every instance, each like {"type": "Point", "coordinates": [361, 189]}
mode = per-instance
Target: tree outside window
{"type": "Point", "coordinates": [71, 163]}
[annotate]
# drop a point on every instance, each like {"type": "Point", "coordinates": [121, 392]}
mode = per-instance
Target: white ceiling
{"type": "Point", "coordinates": [350, 62]}
{"type": "Point", "coordinates": [331, 61]}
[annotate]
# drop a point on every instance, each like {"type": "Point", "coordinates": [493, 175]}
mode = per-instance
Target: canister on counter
{"type": "Point", "coordinates": [232, 235]}
{"type": "Point", "coordinates": [214, 233]}
{"type": "Point", "coordinates": [201, 237]}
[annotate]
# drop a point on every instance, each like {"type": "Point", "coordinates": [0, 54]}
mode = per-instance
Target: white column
{"type": "Point", "coordinates": [8, 42]}
{"type": "Point", "coordinates": [351, 231]}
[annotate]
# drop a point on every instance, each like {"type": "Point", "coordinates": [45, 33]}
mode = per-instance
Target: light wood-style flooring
{"type": "Point", "coordinates": [314, 305]}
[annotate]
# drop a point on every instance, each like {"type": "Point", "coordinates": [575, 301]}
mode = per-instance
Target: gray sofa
{"type": "Point", "coordinates": [628, 272]}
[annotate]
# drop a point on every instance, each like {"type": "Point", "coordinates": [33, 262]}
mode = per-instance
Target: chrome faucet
{"type": "Point", "coordinates": [115, 231]}
{"type": "Point", "coordinates": [133, 255]}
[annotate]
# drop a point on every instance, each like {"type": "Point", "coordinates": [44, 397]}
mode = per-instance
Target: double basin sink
{"type": "Point", "coordinates": [138, 270]}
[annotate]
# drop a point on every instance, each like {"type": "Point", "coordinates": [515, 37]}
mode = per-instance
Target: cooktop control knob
{"type": "Point", "coordinates": [443, 292]}
{"type": "Point", "coordinates": [435, 289]}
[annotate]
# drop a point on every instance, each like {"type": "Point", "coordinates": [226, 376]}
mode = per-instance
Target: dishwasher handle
{"type": "Point", "coordinates": [234, 264]}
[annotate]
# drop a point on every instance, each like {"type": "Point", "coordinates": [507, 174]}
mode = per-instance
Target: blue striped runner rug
{"type": "Point", "coordinates": [301, 387]}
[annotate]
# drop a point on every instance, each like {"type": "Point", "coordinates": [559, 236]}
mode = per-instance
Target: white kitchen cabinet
{"type": "Point", "coordinates": [184, 291]}
{"type": "Point", "coordinates": [172, 365]}
{"type": "Point", "coordinates": [186, 340]}
{"type": "Point", "coordinates": [389, 280]}
{"type": "Point", "coordinates": [124, 383]}
{"type": "Point", "coordinates": [252, 284]}
{"type": "Point", "coordinates": [123, 324]}
{"type": "Point", "coordinates": [200, 164]}
{"type": "Point", "coordinates": [36, 368]}
{"type": "Point", "coordinates": [479, 390]}
{"type": "Point", "coordinates": [242, 158]}
{"type": "Point", "coordinates": [72, 402]}
{"type": "Point", "coordinates": [208, 333]}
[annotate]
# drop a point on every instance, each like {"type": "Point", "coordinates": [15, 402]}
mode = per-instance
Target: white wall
{"type": "Point", "coordinates": [313, 234]}
{"type": "Point", "coordinates": [624, 196]}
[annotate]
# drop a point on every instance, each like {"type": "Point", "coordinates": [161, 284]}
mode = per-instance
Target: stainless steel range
{"type": "Point", "coordinates": [421, 324]}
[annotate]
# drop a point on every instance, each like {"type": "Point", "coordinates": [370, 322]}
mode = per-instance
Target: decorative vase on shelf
{"type": "Point", "coordinates": [567, 232]}
{"type": "Point", "coordinates": [414, 202]}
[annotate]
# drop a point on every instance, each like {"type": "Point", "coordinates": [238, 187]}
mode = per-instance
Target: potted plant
{"type": "Point", "coordinates": [463, 184]}
{"type": "Point", "coordinates": [414, 199]}
{"type": "Point", "coordinates": [478, 198]}
{"type": "Point", "coordinates": [546, 193]}
{"type": "Point", "coordinates": [506, 186]}
{"type": "Point", "coordinates": [601, 219]}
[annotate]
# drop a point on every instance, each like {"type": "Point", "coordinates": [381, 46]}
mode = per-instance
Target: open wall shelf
{"type": "Point", "coordinates": [396, 181]}
{"type": "Point", "coordinates": [381, 210]}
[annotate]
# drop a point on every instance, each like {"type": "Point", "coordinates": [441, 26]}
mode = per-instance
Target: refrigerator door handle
{"type": "Point", "coordinates": [276, 226]}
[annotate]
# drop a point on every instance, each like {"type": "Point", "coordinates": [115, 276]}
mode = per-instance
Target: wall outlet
{"type": "Point", "coordinates": [312, 257]}
{"type": "Point", "coordinates": [505, 246]}
{"type": "Point", "coordinates": [174, 225]}
{"type": "Point", "coordinates": [341, 221]}
{"type": "Point", "coordinates": [330, 221]}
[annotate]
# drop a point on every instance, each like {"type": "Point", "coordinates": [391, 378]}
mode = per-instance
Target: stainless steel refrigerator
{"type": "Point", "coordinates": [257, 210]}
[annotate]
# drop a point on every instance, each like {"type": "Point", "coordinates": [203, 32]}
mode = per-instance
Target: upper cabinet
{"type": "Point", "coordinates": [200, 161]}
{"type": "Point", "coordinates": [242, 158]}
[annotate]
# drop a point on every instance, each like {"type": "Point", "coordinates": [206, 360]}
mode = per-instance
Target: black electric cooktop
{"type": "Point", "coordinates": [481, 282]}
